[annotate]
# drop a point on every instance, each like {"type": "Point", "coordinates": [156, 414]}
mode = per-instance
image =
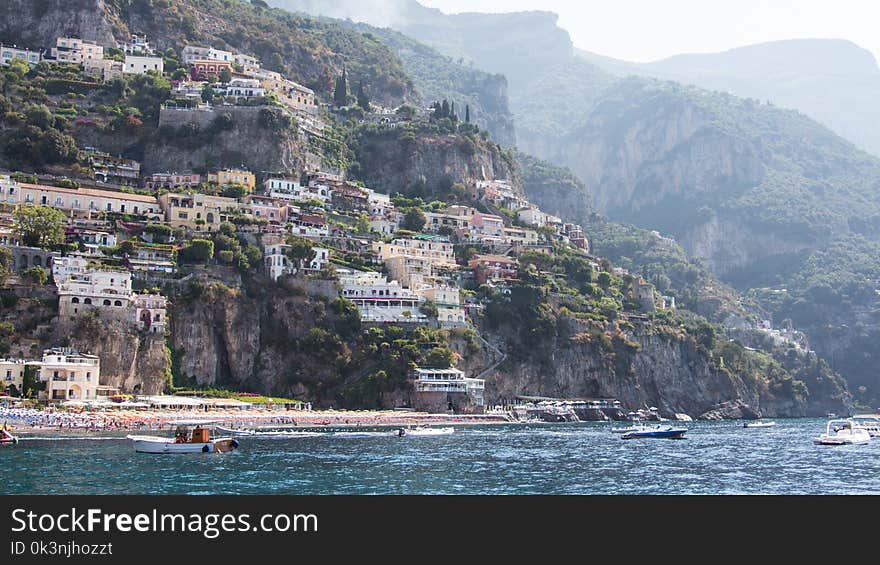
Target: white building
{"type": "Point", "coordinates": [140, 64]}
{"type": "Point", "coordinates": [380, 300]}
{"type": "Point", "coordinates": [291, 189]}
{"type": "Point", "coordinates": [240, 87]}
{"type": "Point", "coordinates": [277, 263]}
{"type": "Point", "coordinates": [246, 62]}
{"type": "Point", "coordinates": [68, 374]}
{"type": "Point", "coordinates": [76, 51]}
{"type": "Point", "coordinates": [448, 301]}
{"type": "Point", "coordinates": [434, 249]}
{"type": "Point", "coordinates": [150, 313]}
{"type": "Point", "coordinates": [193, 53]}
{"type": "Point", "coordinates": [82, 288]}
{"type": "Point", "coordinates": [137, 44]}
{"type": "Point", "coordinates": [535, 217]}
{"type": "Point", "coordinates": [449, 381]}
{"type": "Point", "coordinates": [12, 373]}
{"type": "Point", "coordinates": [10, 52]}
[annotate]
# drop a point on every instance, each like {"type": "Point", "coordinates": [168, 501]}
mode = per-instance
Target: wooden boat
{"type": "Point", "coordinates": [199, 441]}
{"type": "Point", "coordinates": [843, 432]}
{"type": "Point", "coordinates": [656, 432]}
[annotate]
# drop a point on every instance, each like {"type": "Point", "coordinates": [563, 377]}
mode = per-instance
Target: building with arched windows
{"type": "Point", "coordinates": [83, 288]}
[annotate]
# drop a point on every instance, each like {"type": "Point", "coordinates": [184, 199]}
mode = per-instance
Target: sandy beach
{"type": "Point", "coordinates": [27, 421]}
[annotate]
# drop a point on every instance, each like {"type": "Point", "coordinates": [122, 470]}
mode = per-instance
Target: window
{"type": "Point", "coordinates": [106, 303]}
{"type": "Point", "coordinates": [74, 300]}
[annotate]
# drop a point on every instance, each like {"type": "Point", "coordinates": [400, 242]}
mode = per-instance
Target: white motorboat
{"type": "Point", "coordinates": [869, 422]}
{"type": "Point", "coordinates": [267, 433]}
{"type": "Point", "coordinates": [759, 424]}
{"type": "Point", "coordinates": [424, 431]}
{"type": "Point", "coordinates": [199, 441]}
{"type": "Point", "coordinates": [843, 432]}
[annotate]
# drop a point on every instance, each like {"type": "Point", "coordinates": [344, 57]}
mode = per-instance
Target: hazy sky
{"type": "Point", "coordinates": [647, 30]}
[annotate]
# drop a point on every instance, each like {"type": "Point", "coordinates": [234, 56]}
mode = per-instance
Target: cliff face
{"type": "Point", "coordinates": [653, 370]}
{"type": "Point", "coordinates": [36, 24]}
{"type": "Point", "coordinates": [394, 163]}
{"type": "Point", "coordinates": [726, 245]}
{"type": "Point", "coordinates": [257, 137]}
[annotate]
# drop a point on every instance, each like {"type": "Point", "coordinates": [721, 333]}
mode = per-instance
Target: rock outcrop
{"type": "Point", "coordinates": [409, 164]}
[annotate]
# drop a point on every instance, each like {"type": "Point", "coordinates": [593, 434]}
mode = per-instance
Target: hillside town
{"type": "Point", "coordinates": [129, 237]}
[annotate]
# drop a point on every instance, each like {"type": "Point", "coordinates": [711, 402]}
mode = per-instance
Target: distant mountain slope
{"type": "Point", "coordinates": [833, 81]}
{"type": "Point", "coordinates": [439, 77]}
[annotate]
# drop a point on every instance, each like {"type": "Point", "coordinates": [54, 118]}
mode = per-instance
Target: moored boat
{"type": "Point", "coordinates": [199, 441]}
{"type": "Point", "coordinates": [425, 431]}
{"type": "Point", "coordinates": [759, 424]}
{"type": "Point", "coordinates": [658, 432]}
{"type": "Point", "coordinates": [6, 437]}
{"type": "Point", "coordinates": [868, 422]}
{"type": "Point", "coordinates": [843, 432]}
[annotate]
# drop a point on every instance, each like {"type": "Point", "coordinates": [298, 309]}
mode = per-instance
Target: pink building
{"type": "Point", "coordinates": [487, 225]}
{"type": "Point", "coordinates": [493, 267]}
{"type": "Point", "coordinates": [272, 209]}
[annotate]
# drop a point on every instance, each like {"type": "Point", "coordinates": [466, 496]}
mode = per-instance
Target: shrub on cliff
{"type": "Point", "coordinates": [198, 251]}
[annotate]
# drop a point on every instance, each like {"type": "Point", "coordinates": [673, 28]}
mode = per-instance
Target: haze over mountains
{"type": "Point", "coordinates": [833, 81]}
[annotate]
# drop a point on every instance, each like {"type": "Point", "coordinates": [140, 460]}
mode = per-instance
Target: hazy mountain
{"type": "Point", "coordinates": [833, 81]}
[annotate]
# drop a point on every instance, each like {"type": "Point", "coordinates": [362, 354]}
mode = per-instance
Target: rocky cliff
{"type": "Point", "coordinates": [132, 361]}
{"type": "Point", "coordinates": [645, 367]}
{"type": "Point", "coordinates": [36, 24]}
{"type": "Point", "coordinates": [397, 161]}
{"type": "Point", "coordinates": [279, 339]}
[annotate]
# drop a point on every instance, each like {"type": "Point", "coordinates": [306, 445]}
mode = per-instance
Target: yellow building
{"type": "Point", "coordinates": [197, 212]}
{"type": "Point", "coordinates": [226, 177]}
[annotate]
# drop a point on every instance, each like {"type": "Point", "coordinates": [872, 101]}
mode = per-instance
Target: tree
{"type": "Point", "coordinates": [36, 275]}
{"type": "Point", "coordinates": [439, 358]}
{"type": "Point", "coordinates": [467, 114]}
{"type": "Point", "coordinates": [160, 233]}
{"type": "Point", "coordinates": [301, 251]}
{"type": "Point", "coordinates": [29, 383]}
{"type": "Point", "coordinates": [414, 220]}
{"type": "Point", "coordinates": [7, 263]}
{"type": "Point", "coordinates": [39, 226]}
{"type": "Point", "coordinates": [225, 75]}
{"type": "Point", "coordinates": [207, 93]}
{"type": "Point", "coordinates": [363, 224]}
{"type": "Point", "coordinates": [340, 93]}
{"type": "Point", "coordinates": [198, 251]}
{"type": "Point", "coordinates": [362, 99]}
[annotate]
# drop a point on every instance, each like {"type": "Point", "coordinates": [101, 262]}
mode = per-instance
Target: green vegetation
{"type": "Point", "coordinates": [39, 226]}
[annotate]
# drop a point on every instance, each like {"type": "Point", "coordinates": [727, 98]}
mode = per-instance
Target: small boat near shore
{"type": "Point", "coordinates": [426, 431]}
{"type": "Point", "coordinates": [656, 432]}
{"type": "Point", "coordinates": [759, 424]}
{"type": "Point", "coordinates": [199, 441]}
{"type": "Point", "coordinates": [843, 432]}
{"type": "Point", "coordinates": [869, 422]}
{"type": "Point", "coordinates": [267, 433]}
{"type": "Point", "coordinates": [6, 437]}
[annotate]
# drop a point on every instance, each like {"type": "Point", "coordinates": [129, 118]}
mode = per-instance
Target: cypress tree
{"type": "Point", "coordinates": [467, 114]}
{"type": "Point", "coordinates": [444, 113]}
{"type": "Point", "coordinates": [340, 94]}
{"type": "Point", "coordinates": [362, 98]}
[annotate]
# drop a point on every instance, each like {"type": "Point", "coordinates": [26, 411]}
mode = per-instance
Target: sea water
{"type": "Point", "coordinates": [572, 458]}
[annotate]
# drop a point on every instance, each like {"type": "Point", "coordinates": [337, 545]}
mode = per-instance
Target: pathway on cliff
{"type": "Point", "coordinates": [500, 357]}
